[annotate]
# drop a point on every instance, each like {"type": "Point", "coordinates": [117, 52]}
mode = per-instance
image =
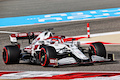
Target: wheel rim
{"type": "Point", "coordinates": [43, 57]}
{"type": "Point", "coordinates": [93, 50]}
{"type": "Point", "coordinates": [5, 55]}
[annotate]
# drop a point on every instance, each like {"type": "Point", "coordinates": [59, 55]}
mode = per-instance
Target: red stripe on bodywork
{"type": "Point", "coordinates": [70, 39]}
{"type": "Point", "coordinates": [13, 35]}
{"type": "Point", "coordinates": [36, 46]}
{"type": "Point", "coordinates": [28, 48]}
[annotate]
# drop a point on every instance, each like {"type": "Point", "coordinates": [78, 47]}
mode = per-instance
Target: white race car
{"type": "Point", "coordinates": [49, 50]}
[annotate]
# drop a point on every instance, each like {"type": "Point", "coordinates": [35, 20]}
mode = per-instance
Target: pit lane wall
{"type": "Point", "coordinates": [60, 17]}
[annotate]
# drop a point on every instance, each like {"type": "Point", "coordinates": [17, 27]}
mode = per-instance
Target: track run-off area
{"type": "Point", "coordinates": [13, 8]}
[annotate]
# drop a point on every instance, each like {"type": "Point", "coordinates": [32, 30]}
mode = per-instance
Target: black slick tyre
{"type": "Point", "coordinates": [11, 54]}
{"type": "Point", "coordinates": [45, 54]}
{"type": "Point", "coordinates": [97, 49]}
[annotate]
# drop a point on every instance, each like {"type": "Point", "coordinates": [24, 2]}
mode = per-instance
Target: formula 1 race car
{"type": "Point", "coordinates": [49, 50]}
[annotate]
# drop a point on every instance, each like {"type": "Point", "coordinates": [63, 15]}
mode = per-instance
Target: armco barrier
{"type": "Point", "coordinates": [59, 17]}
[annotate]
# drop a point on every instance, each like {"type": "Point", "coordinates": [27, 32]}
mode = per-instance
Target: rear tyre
{"type": "Point", "coordinates": [45, 54]}
{"type": "Point", "coordinates": [97, 49]}
{"type": "Point", "coordinates": [11, 54]}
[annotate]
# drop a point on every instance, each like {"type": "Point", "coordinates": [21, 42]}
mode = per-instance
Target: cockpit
{"type": "Point", "coordinates": [56, 39]}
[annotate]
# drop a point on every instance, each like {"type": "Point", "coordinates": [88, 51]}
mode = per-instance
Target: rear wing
{"type": "Point", "coordinates": [17, 36]}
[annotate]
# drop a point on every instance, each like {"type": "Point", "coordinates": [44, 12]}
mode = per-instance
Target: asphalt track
{"type": "Point", "coordinates": [11, 8]}
{"type": "Point", "coordinates": [22, 8]}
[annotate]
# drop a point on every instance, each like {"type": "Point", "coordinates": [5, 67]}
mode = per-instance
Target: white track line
{"type": "Point", "coordinates": [8, 32]}
{"type": "Point", "coordinates": [92, 35]}
{"type": "Point", "coordinates": [99, 34]}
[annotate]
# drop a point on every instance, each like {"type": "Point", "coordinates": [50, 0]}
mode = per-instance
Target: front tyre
{"type": "Point", "coordinates": [97, 49]}
{"type": "Point", "coordinates": [11, 54]}
{"type": "Point", "coordinates": [45, 54]}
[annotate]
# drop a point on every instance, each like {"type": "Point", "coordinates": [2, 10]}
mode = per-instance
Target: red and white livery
{"type": "Point", "coordinates": [49, 50]}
